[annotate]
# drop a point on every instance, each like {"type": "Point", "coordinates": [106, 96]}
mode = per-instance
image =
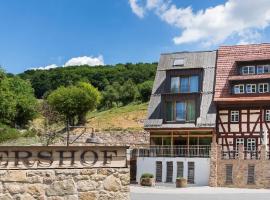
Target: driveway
{"type": "Point", "coordinates": [195, 193]}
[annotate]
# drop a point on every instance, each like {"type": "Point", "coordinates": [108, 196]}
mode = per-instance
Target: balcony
{"type": "Point", "coordinates": [200, 151]}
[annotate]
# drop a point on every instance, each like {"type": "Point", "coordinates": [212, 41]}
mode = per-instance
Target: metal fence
{"type": "Point", "coordinates": [202, 151]}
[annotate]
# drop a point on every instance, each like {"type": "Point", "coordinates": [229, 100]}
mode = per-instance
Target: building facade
{"type": "Point", "coordinates": [181, 118]}
{"type": "Point", "coordinates": [242, 96]}
{"type": "Point", "coordinates": [209, 118]}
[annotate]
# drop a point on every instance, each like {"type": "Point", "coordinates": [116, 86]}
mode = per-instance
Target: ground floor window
{"type": "Point", "coordinates": [158, 171]}
{"type": "Point", "coordinates": [191, 172]}
{"type": "Point", "coordinates": [180, 169]}
{"type": "Point", "coordinates": [229, 174]}
{"type": "Point", "coordinates": [169, 175]}
{"type": "Point", "coordinates": [251, 174]}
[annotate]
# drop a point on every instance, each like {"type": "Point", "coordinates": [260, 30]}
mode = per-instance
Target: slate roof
{"type": "Point", "coordinates": [205, 60]}
{"type": "Point", "coordinates": [228, 56]}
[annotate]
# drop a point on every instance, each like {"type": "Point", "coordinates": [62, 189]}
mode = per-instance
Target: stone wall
{"type": "Point", "coordinates": [240, 169]}
{"type": "Point", "coordinates": [123, 138]}
{"type": "Point", "coordinates": [63, 184]}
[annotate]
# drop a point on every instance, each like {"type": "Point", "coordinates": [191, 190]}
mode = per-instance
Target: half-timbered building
{"type": "Point", "coordinates": [242, 95]}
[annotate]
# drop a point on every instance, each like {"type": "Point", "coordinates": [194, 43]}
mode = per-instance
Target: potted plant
{"type": "Point", "coordinates": [147, 179]}
{"type": "Point", "coordinates": [181, 182]}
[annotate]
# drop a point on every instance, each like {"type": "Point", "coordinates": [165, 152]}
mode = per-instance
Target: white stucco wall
{"type": "Point", "coordinates": [202, 168]}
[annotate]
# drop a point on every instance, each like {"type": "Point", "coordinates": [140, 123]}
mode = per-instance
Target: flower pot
{"type": "Point", "coordinates": [181, 182]}
{"type": "Point", "coordinates": [147, 182]}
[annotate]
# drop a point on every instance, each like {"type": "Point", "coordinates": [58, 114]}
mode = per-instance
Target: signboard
{"type": "Point", "coordinates": [46, 157]}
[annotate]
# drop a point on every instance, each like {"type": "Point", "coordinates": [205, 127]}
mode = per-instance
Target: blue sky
{"type": "Point", "coordinates": [52, 32]}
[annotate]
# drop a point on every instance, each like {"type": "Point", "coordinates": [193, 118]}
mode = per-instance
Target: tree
{"type": "Point", "coordinates": [74, 101]}
{"type": "Point", "coordinates": [145, 90]}
{"type": "Point", "coordinates": [17, 101]}
{"type": "Point", "coordinates": [128, 92]}
{"type": "Point", "coordinates": [111, 95]}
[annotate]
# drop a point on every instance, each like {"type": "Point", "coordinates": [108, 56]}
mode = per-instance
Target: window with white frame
{"type": "Point", "coordinates": [251, 88]}
{"type": "Point", "coordinates": [263, 69]}
{"type": "Point", "coordinates": [239, 89]}
{"type": "Point", "coordinates": [248, 70]}
{"type": "Point", "coordinates": [240, 141]}
{"type": "Point", "coordinates": [234, 116]}
{"type": "Point", "coordinates": [263, 87]}
{"type": "Point", "coordinates": [267, 115]}
{"type": "Point", "coordinates": [251, 144]}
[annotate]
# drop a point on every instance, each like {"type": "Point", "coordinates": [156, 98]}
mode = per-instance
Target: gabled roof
{"type": "Point", "coordinates": [227, 59]}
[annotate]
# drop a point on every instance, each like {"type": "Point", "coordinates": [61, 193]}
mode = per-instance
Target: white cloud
{"type": "Point", "coordinates": [243, 20]}
{"type": "Point", "coordinates": [85, 60]}
{"type": "Point", "coordinates": [45, 68]}
{"type": "Point", "coordinates": [77, 61]}
{"type": "Point", "coordinates": [136, 8]}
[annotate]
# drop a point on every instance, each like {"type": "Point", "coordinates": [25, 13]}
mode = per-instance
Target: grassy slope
{"type": "Point", "coordinates": [127, 117]}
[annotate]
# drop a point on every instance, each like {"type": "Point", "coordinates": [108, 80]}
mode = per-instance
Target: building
{"type": "Point", "coordinates": [242, 96]}
{"type": "Point", "coordinates": [181, 119]}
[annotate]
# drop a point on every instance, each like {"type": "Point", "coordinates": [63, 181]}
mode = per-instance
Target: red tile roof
{"type": "Point", "coordinates": [226, 66]}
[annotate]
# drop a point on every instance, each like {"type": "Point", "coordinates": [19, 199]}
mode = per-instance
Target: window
{"type": "Point", "coordinates": [263, 87]}
{"type": "Point", "coordinates": [180, 169]}
{"type": "Point", "coordinates": [194, 83]}
{"type": "Point", "coordinates": [263, 69]}
{"type": "Point", "coordinates": [251, 88]}
{"type": "Point", "coordinates": [251, 144]}
{"type": "Point", "coordinates": [184, 84]}
{"type": "Point", "coordinates": [234, 116]}
{"type": "Point", "coordinates": [240, 141]}
{"type": "Point", "coordinates": [191, 172]}
{"type": "Point", "coordinates": [169, 111]}
{"type": "Point", "coordinates": [178, 62]}
{"type": "Point", "coordinates": [251, 174]}
{"type": "Point", "coordinates": [180, 111]}
{"type": "Point", "coordinates": [229, 174]}
{"type": "Point", "coordinates": [239, 89]}
{"type": "Point", "coordinates": [169, 175]}
{"type": "Point", "coordinates": [175, 84]}
{"type": "Point", "coordinates": [267, 115]}
{"type": "Point", "coordinates": [158, 171]}
{"type": "Point", "coordinates": [248, 70]}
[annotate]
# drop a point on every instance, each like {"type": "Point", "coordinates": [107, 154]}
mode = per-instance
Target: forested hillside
{"type": "Point", "coordinates": [104, 97]}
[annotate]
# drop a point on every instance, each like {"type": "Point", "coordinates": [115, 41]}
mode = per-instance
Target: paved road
{"type": "Point", "coordinates": [201, 193]}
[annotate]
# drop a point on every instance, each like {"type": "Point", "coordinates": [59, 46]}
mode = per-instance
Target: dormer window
{"type": "Point", "coordinates": [179, 62]}
{"type": "Point", "coordinates": [263, 69]}
{"type": "Point", "coordinates": [248, 70]}
{"type": "Point", "coordinates": [185, 84]}
{"type": "Point", "coordinates": [263, 87]}
{"type": "Point", "coordinates": [251, 88]}
{"type": "Point", "coordinates": [239, 89]}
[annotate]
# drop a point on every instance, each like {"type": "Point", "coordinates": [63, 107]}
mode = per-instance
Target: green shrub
{"type": "Point", "coordinates": [147, 175]}
{"type": "Point", "coordinates": [7, 133]}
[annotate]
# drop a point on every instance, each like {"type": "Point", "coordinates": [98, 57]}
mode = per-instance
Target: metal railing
{"type": "Point", "coordinates": [202, 151]}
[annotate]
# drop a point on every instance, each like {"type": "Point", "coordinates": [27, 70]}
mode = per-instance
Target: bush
{"type": "Point", "coordinates": [7, 133]}
{"type": "Point", "coordinates": [147, 175]}
{"type": "Point", "coordinates": [145, 90]}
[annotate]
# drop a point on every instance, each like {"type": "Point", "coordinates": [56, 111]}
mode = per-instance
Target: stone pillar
{"type": "Point", "coordinates": [213, 164]}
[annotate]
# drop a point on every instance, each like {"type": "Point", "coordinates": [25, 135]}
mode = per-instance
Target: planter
{"type": "Point", "coordinates": [181, 182]}
{"type": "Point", "coordinates": [147, 182]}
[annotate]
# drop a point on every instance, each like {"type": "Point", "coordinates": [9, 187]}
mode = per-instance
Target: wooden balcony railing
{"type": "Point", "coordinates": [202, 151]}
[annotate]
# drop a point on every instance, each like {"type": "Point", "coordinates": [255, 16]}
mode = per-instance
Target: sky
{"type": "Point", "coordinates": [43, 34]}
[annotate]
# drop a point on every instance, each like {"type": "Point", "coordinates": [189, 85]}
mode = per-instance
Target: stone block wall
{"type": "Point", "coordinates": [240, 169]}
{"type": "Point", "coordinates": [65, 184]}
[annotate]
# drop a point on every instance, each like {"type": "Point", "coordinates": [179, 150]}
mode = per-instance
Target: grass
{"type": "Point", "coordinates": [128, 117]}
